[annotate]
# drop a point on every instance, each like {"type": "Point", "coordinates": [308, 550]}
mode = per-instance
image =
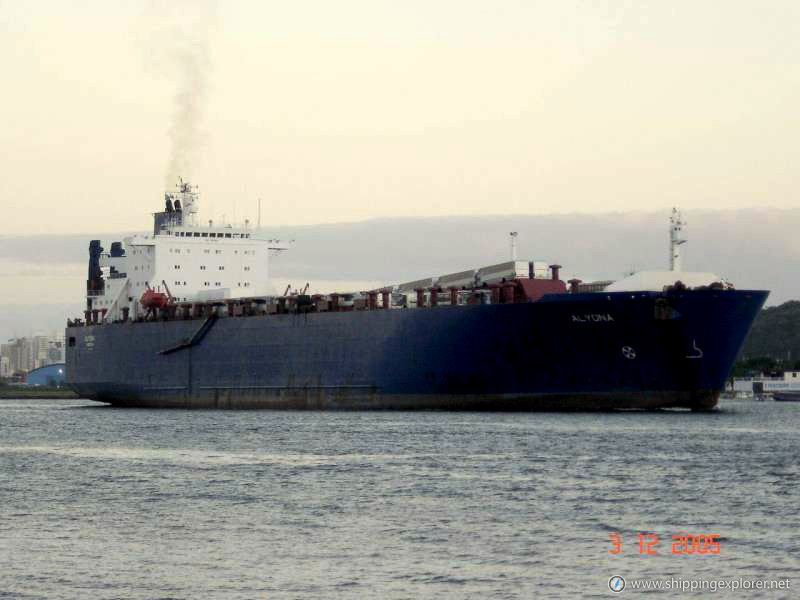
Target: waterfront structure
{"type": "Point", "coordinates": [50, 375]}
{"type": "Point", "coordinates": [23, 354]}
{"type": "Point", "coordinates": [765, 384]}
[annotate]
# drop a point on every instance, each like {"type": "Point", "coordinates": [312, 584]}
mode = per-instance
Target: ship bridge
{"type": "Point", "coordinates": [183, 259]}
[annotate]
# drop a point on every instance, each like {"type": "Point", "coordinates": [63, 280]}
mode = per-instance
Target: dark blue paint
{"type": "Point", "coordinates": [546, 354]}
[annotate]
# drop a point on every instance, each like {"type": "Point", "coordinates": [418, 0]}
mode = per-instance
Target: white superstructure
{"type": "Point", "coordinates": [198, 262]}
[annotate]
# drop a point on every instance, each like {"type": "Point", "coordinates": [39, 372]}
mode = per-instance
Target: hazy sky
{"type": "Point", "coordinates": [338, 111]}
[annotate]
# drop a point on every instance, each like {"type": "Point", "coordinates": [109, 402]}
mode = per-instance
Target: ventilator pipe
{"type": "Point", "coordinates": [508, 292]}
{"type": "Point", "coordinates": [453, 295]}
{"type": "Point", "coordinates": [495, 292]}
{"type": "Point", "coordinates": [434, 296]}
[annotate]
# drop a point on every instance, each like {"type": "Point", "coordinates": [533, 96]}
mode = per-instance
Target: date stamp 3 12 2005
{"type": "Point", "coordinates": [682, 543]}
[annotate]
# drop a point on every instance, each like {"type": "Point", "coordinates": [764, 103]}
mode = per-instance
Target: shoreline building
{"type": "Point", "coordinates": [763, 384]}
{"type": "Point", "coordinates": [24, 354]}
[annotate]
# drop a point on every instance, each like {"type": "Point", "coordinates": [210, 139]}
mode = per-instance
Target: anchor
{"type": "Point", "coordinates": [698, 352]}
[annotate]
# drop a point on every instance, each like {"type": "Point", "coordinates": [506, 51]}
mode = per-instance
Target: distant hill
{"type": "Point", "coordinates": [775, 334]}
{"type": "Point", "coordinates": [44, 277]}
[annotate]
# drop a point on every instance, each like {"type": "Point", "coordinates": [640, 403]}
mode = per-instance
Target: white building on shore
{"type": "Point", "coordinates": [756, 386]}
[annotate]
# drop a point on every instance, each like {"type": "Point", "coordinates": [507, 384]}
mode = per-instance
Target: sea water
{"type": "Point", "coordinates": [100, 502]}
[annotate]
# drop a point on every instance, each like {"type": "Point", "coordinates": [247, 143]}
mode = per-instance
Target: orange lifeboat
{"type": "Point", "coordinates": [151, 299]}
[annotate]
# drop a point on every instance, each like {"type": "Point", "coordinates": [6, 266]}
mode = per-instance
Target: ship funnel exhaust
{"type": "Point", "coordinates": [179, 38]}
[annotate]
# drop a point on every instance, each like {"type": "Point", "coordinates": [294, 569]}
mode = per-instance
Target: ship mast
{"type": "Point", "coordinates": [512, 236]}
{"type": "Point", "coordinates": [675, 240]}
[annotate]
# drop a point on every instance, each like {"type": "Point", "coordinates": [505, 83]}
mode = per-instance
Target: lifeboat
{"type": "Point", "coordinates": [152, 299]}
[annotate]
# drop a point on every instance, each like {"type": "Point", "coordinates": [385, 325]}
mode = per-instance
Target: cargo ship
{"type": "Point", "coordinates": [185, 317]}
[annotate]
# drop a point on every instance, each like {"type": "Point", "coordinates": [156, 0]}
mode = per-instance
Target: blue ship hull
{"type": "Point", "coordinates": [597, 351]}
